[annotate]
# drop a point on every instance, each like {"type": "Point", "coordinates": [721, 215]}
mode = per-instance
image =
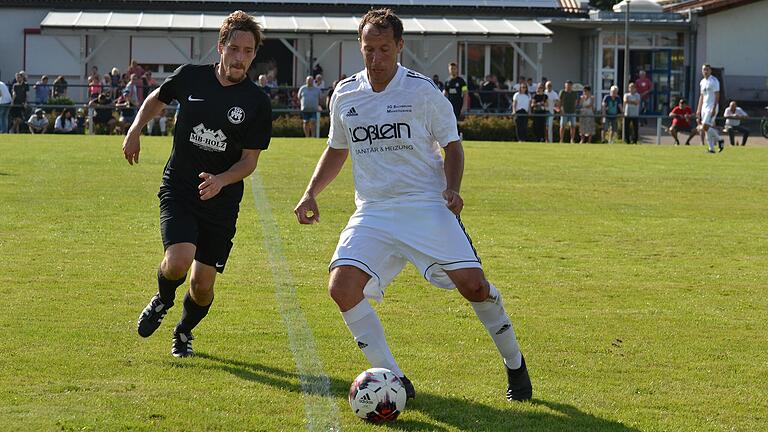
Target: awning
{"type": "Point", "coordinates": [148, 21]}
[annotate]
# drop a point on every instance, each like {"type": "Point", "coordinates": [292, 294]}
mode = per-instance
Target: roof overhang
{"type": "Point", "coordinates": [58, 22]}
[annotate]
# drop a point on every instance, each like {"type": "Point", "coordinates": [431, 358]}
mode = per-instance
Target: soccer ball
{"type": "Point", "coordinates": [377, 395]}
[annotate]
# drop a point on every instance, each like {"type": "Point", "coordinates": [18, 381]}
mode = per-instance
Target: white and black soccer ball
{"type": "Point", "coordinates": [377, 395]}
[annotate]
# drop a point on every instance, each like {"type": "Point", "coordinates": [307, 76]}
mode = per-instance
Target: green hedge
{"type": "Point", "coordinates": [291, 126]}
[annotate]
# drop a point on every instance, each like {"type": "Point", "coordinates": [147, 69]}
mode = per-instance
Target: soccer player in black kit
{"type": "Point", "coordinates": [224, 122]}
{"type": "Point", "coordinates": [456, 91]}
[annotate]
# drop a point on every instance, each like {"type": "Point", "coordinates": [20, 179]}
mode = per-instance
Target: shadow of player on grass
{"type": "Point", "coordinates": [459, 413]}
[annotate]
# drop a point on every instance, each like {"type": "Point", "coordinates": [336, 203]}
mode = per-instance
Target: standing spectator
{"type": "Point", "coordinates": [706, 111]}
{"type": "Point", "coordinates": [317, 70]}
{"type": "Point", "coordinates": [319, 81]}
{"type": "Point", "coordinates": [19, 100]}
{"type": "Point", "coordinates": [644, 87]}
{"type": "Point", "coordinates": [103, 109]}
{"type": "Point", "coordinates": [309, 97]}
{"type": "Point", "coordinates": [114, 76]}
{"type": "Point", "coordinates": [553, 104]}
{"type": "Point", "coordinates": [438, 83]}
{"type": "Point", "coordinates": [127, 111]}
{"type": "Point", "coordinates": [521, 103]}
{"type": "Point", "coordinates": [134, 88]}
{"type": "Point", "coordinates": [531, 84]}
{"type": "Point", "coordinates": [60, 87]}
{"type": "Point", "coordinates": [733, 117]}
{"type": "Point", "coordinates": [135, 69]}
{"type": "Point", "coordinates": [42, 90]}
{"type": "Point", "coordinates": [106, 85]}
{"type": "Point", "coordinates": [456, 91]}
{"type": "Point", "coordinates": [65, 124]}
{"type": "Point", "coordinates": [568, 99]}
{"type": "Point", "coordinates": [631, 112]}
{"type": "Point", "coordinates": [5, 104]}
{"type": "Point", "coordinates": [540, 109]}
{"type": "Point", "coordinates": [264, 87]}
{"type": "Point", "coordinates": [681, 116]}
{"type": "Point", "coordinates": [272, 78]}
{"type": "Point", "coordinates": [587, 113]}
{"type": "Point", "coordinates": [519, 82]}
{"type": "Point", "coordinates": [612, 108]}
{"type": "Point", "coordinates": [38, 122]}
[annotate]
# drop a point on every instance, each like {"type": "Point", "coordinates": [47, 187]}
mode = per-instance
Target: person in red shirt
{"type": "Point", "coordinates": [681, 116]}
{"type": "Point", "coordinates": [644, 87]}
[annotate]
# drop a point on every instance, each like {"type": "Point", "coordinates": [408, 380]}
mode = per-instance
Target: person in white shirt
{"type": "Point", "coordinates": [64, 124]}
{"type": "Point", "coordinates": [553, 104]}
{"type": "Point", "coordinates": [706, 111]}
{"type": "Point", "coordinates": [38, 122]}
{"type": "Point", "coordinates": [521, 105]}
{"type": "Point", "coordinates": [394, 123]}
{"type": "Point", "coordinates": [733, 117]}
{"type": "Point", "coordinates": [5, 106]}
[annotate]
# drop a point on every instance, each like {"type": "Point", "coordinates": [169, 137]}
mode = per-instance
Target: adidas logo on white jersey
{"type": "Point", "coordinates": [351, 112]}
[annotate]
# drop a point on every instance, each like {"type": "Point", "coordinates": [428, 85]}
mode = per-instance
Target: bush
{"type": "Point", "coordinates": [488, 128]}
{"type": "Point", "coordinates": [63, 100]}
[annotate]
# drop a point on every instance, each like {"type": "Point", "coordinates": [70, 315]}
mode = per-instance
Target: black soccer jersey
{"type": "Point", "coordinates": [454, 87]}
{"type": "Point", "coordinates": [215, 123]}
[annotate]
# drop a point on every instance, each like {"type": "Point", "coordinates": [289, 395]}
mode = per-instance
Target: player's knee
{"type": "Point", "coordinates": [475, 289]}
{"type": "Point", "coordinates": [201, 287]}
{"type": "Point", "coordinates": [176, 267]}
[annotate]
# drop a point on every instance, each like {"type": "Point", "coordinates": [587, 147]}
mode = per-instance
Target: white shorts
{"type": "Point", "coordinates": [380, 240]}
{"type": "Point", "coordinates": [708, 118]}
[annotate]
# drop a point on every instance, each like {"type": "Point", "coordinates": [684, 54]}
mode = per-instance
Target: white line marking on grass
{"type": "Point", "coordinates": [319, 405]}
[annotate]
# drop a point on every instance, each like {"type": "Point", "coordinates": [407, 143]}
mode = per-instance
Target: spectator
{"type": "Point", "coordinates": [127, 111]}
{"type": "Point", "coordinates": [455, 90]}
{"type": "Point", "coordinates": [540, 109]}
{"type": "Point", "coordinates": [38, 122]}
{"type": "Point", "coordinates": [733, 117]}
{"type": "Point", "coordinates": [65, 124]}
{"type": "Point", "coordinates": [5, 105]}
{"type": "Point", "coordinates": [80, 121]}
{"type": "Point", "coordinates": [60, 87]}
{"type": "Point", "coordinates": [331, 89]}
{"type": "Point", "coordinates": [317, 70]}
{"type": "Point", "coordinates": [134, 89]}
{"type": "Point", "coordinates": [114, 76]}
{"type": "Point", "coordinates": [568, 99]}
{"type": "Point", "coordinates": [644, 88]}
{"type": "Point", "coordinates": [272, 79]}
{"type": "Point", "coordinates": [681, 116]}
{"type": "Point", "coordinates": [309, 97]}
{"type": "Point", "coordinates": [531, 84]}
{"type": "Point", "coordinates": [264, 87]}
{"type": "Point", "coordinates": [103, 109]}
{"type": "Point", "coordinates": [150, 83]}
{"type": "Point", "coordinates": [631, 112]}
{"type": "Point", "coordinates": [42, 90]}
{"type": "Point", "coordinates": [521, 104]}
{"type": "Point", "coordinates": [553, 105]}
{"type": "Point", "coordinates": [19, 100]}
{"type": "Point", "coordinates": [94, 86]}
{"type": "Point", "coordinates": [438, 83]}
{"type": "Point", "coordinates": [135, 69]}
{"type": "Point", "coordinates": [319, 82]}
{"type": "Point", "coordinates": [612, 108]}
{"type": "Point", "coordinates": [587, 113]}
{"type": "Point", "coordinates": [488, 95]}
{"type": "Point", "coordinates": [520, 81]}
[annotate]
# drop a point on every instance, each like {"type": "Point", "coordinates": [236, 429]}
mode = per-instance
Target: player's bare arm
{"type": "Point", "coordinates": [213, 183]}
{"type": "Point", "coordinates": [454, 170]}
{"type": "Point", "coordinates": [150, 109]}
{"type": "Point", "coordinates": [328, 167]}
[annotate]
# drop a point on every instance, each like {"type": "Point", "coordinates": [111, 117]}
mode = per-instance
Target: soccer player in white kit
{"type": "Point", "coordinates": [393, 122]}
{"type": "Point", "coordinates": [707, 108]}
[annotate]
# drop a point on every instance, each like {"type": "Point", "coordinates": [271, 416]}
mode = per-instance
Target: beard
{"type": "Point", "coordinates": [230, 77]}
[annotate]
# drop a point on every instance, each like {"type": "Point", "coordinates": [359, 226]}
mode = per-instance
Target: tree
{"type": "Point", "coordinates": [603, 4]}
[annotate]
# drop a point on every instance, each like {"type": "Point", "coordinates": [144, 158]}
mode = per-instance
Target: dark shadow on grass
{"type": "Point", "coordinates": [460, 413]}
{"type": "Point", "coordinates": [5, 174]}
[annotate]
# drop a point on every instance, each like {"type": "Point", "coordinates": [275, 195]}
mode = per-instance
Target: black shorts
{"type": "Point", "coordinates": [210, 232]}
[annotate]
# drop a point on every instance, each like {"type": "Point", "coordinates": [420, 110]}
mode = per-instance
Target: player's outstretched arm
{"type": "Point", "coordinates": [212, 184]}
{"type": "Point", "coordinates": [328, 167]}
{"type": "Point", "coordinates": [454, 171]}
{"type": "Point", "coordinates": [150, 109]}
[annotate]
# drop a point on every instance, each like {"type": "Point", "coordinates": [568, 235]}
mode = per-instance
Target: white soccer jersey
{"type": "Point", "coordinates": [394, 136]}
{"type": "Point", "coordinates": [708, 87]}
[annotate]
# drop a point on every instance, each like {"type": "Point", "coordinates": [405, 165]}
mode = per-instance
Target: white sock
{"type": "Point", "coordinates": [712, 138]}
{"type": "Point", "coordinates": [493, 316]}
{"type": "Point", "coordinates": [369, 335]}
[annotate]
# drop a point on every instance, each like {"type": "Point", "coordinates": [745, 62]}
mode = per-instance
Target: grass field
{"type": "Point", "coordinates": [636, 277]}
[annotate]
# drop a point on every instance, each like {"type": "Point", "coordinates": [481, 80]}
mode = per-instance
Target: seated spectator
{"type": "Point", "coordinates": [127, 112]}
{"type": "Point", "coordinates": [80, 121]}
{"type": "Point", "coordinates": [65, 124]}
{"type": "Point", "coordinates": [115, 82]}
{"type": "Point", "coordinates": [681, 121]}
{"type": "Point", "coordinates": [103, 109]}
{"type": "Point", "coordinates": [733, 117]}
{"type": "Point", "coordinates": [38, 122]}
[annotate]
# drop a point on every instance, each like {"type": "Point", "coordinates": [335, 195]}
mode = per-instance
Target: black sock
{"type": "Point", "coordinates": [167, 288]}
{"type": "Point", "coordinates": [192, 314]}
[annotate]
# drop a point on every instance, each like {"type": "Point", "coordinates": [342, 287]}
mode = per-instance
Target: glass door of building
{"type": "Point", "coordinates": [661, 76]}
